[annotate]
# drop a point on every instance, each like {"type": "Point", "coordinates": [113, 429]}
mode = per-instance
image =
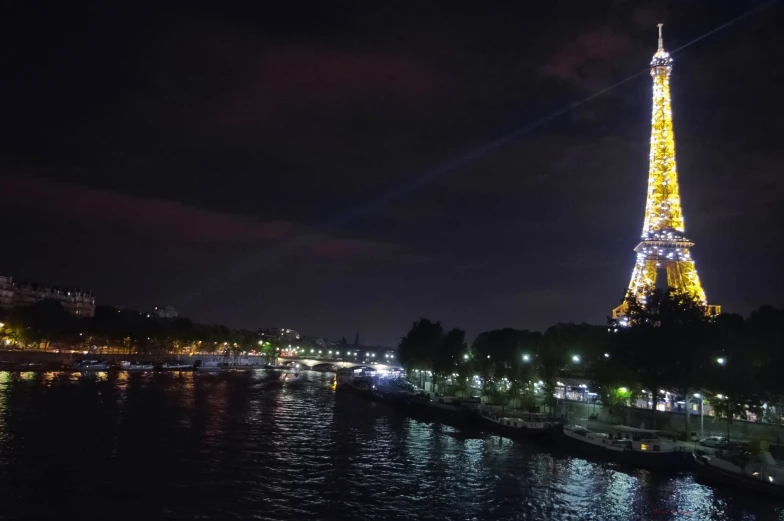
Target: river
{"type": "Point", "coordinates": [253, 446]}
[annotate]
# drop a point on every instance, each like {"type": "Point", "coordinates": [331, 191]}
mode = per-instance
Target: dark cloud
{"type": "Point", "coordinates": [177, 224]}
{"type": "Point", "coordinates": [586, 59]}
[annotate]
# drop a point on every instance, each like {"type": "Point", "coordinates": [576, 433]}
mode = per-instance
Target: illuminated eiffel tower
{"type": "Point", "coordinates": [663, 245]}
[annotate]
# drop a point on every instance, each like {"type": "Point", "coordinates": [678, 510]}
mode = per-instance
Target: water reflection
{"type": "Point", "coordinates": [250, 445]}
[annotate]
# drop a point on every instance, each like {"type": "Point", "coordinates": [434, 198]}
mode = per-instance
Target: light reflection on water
{"type": "Point", "coordinates": [252, 445]}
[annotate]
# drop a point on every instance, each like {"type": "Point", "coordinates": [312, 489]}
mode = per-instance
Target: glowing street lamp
{"type": "Point", "coordinates": [526, 358]}
{"type": "Point", "coordinates": [576, 359]}
{"type": "Point", "coordinates": [465, 356]}
{"type": "Point", "coordinates": [721, 361]}
{"type": "Point", "coordinates": [607, 355]}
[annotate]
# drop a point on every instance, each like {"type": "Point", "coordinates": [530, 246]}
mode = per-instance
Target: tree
{"type": "Point", "coordinates": [663, 343]}
{"type": "Point", "coordinates": [448, 353]}
{"type": "Point", "coordinates": [417, 349]}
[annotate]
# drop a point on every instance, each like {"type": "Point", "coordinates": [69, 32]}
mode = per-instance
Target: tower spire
{"type": "Point", "coordinates": [663, 242]}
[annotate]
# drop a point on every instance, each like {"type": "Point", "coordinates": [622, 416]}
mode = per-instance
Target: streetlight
{"type": "Point", "coordinates": [465, 356]}
{"type": "Point", "coordinates": [607, 355]}
{"type": "Point", "coordinates": [576, 359]}
{"type": "Point", "coordinates": [721, 361]}
{"type": "Point", "coordinates": [702, 416]}
{"type": "Point", "coordinates": [526, 358]}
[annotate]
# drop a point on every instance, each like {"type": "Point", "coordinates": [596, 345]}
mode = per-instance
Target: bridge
{"type": "Point", "coordinates": [325, 363]}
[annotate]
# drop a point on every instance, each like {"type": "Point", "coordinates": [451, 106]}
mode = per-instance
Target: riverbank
{"type": "Point", "coordinates": [52, 360]}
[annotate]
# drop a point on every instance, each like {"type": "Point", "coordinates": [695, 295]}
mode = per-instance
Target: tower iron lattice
{"type": "Point", "coordinates": [663, 245]}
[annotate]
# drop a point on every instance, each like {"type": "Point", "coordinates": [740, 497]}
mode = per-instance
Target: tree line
{"type": "Point", "coordinates": [666, 342]}
{"type": "Point", "coordinates": [47, 325]}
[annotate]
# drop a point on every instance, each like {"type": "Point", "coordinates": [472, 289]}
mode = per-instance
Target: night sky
{"type": "Point", "coordinates": [285, 166]}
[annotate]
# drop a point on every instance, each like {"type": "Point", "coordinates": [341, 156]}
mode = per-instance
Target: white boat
{"type": "Point", "coordinates": [626, 445]}
{"type": "Point", "coordinates": [176, 366]}
{"type": "Point", "coordinates": [524, 426]}
{"type": "Point", "coordinates": [91, 365]}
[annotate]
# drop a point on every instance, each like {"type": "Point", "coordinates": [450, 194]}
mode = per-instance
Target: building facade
{"type": "Point", "coordinates": [76, 301]}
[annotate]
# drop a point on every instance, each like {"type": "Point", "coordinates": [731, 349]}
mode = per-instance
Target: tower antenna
{"type": "Point", "coordinates": [661, 41]}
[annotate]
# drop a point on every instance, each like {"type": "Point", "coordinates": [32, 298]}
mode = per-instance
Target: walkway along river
{"type": "Point", "coordinates": [259, 446]}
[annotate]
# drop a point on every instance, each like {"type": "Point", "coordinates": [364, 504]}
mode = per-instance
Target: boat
{"type": "Point", "coordinates": [452, 411]}
{"type": "Point", "coordinates": [627, 446]}
{"type": "Point", "coordinates": [91, 365]}
{"type": "Point", "coordinates": [140, 366]}
{"type": "Point", "coordinates": [176, 366]}
{"type": "Point", "coordinates": [526, 425]}
{"type": "Point", "coordinates": [208, 367]}
{"type": "Point", "coordinates": [237, 367]}
{"type": "Point", "coordinates": [751, 468]}
{"type": "Point", "coordinates": [26, 365]}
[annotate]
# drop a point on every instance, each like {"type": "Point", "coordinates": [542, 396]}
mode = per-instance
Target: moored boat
{"type": "Point", "coordinates": [453, 411]}
{"type": "Point", "coordinates": [176, 366]}
{"type": "Point", "coordinates": [626, 445]}
{"type": "Point", "coordinates": [27, 365]}
{"type": "Point", "coordinates": [751, 468]}
{"type": "Point", "coordinates": [140, 366]}
{"type": "Point", "coordinates": [91, 365]}
{"type": "Point", "coordinates": [525, 425]}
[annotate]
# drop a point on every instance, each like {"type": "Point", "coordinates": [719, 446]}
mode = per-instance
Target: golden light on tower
{"type": "Point", "coordinates": [663, 245]}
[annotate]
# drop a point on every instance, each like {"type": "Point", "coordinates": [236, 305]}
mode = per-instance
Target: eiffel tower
{"type": "Point", "coordinates": [663, 245]}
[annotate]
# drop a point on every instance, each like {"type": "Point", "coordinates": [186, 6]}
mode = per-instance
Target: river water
{"type": "Point", "coordinates": [255, 446]}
